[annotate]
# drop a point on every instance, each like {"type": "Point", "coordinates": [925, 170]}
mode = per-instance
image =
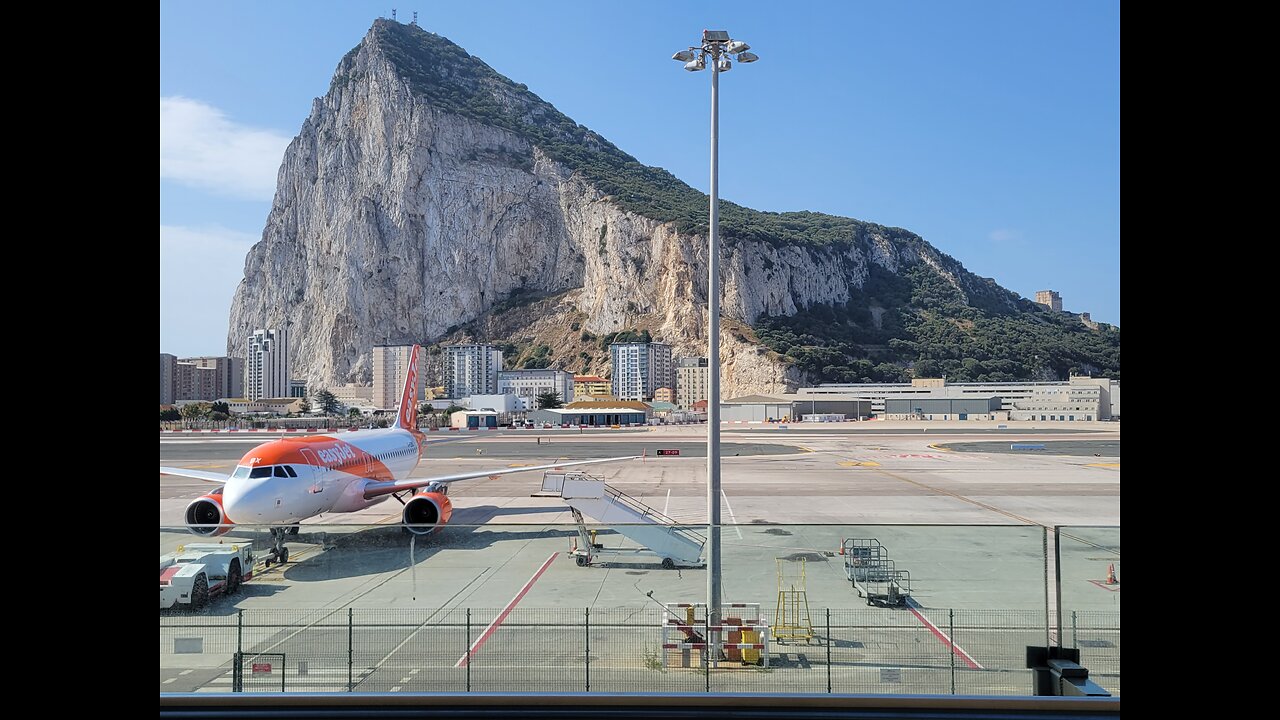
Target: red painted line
{"type": "Point", "coordinates": [959, 651]}
{"type": "Point", "coordinates": [1104, 586]}
{"type": "Point", "coordinates": [484, 636]}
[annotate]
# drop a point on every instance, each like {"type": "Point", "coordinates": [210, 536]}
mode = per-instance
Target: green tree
{"type": "Point", "coordinates": [353, 412]}
{"type": "Point", "coordinates": [219, 416]}
{"type": "Point", "coordinates": [328, 402]}
{"type": "Point", "coordinates": [453, 409]}
{"type": "Point", "coordinates": [549, 399]}
{"type": "Point", "coordinates": [220, 407]}
{"type": "Point", "coordinates": [195, 411]}
{"type": "Point", "coordinates": [170, 415]}
{"type": "Point", "coordinates": [305, 407]}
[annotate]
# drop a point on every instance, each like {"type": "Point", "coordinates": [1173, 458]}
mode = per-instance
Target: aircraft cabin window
{"type": "Point", "coordinates": [289, 469]}
{"type": "Point", "coordinates": [280, 473]}
{"type": "Point", "coordinates": [260, 472]}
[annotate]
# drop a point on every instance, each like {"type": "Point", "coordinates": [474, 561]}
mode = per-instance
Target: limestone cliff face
{"type": "Point", "coordinates": [395, 221]}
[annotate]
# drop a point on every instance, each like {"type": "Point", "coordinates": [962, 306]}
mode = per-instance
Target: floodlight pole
{"type": "Point", "coordinates": [718, 46]}
{"type": "Point", "coordinates": [713, 357]}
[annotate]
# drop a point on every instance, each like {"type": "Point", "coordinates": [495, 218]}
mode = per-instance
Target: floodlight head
{"type": "Point", "coordinates": [695, 65]}
{"type": "Point", "coordinates": [683, 56]}
{"type": "Point", "coordinates": [736, 47]}
{"type": "Point", "coordinates": [715, 36]}
{"type": "Point", "coordinates": [724, 66]}
{"type": "Point", "coordinates": [748, 57]}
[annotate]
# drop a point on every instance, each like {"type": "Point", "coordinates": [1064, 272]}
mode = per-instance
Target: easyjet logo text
{"type": "Point", "coordinates": [336, 454]}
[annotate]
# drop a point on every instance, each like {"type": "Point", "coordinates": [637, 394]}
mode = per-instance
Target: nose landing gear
{"type": "Point", "coordinates": [279, 553]}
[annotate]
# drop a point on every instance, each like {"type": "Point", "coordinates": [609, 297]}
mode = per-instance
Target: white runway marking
{"type": "Point", "coordinates": [732, 517]}
{"type": "Point", "coordinates": [667, 503]}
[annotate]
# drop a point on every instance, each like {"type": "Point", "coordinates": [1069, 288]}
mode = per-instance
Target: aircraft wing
{"type": "Point", "coordinates": [214, 477]}
{"type": "Point", "coordinates": [386, 488]}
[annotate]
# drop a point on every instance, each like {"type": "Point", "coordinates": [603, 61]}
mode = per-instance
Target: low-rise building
{"type": "Point", "coordinates": [504, 403]}
{"type": "Point", "coordinates": [474, 419]}
{"type": "Point", "coordinates": [264, 406]}
{"type": "Point", "coordinates": [590, 385]}
{"type": "Point", "coordinates": [527, 385]}
{"type": "Point", "coordinates": [1011, 394]}
{"type": "Point", "coordinates": [664, 395]}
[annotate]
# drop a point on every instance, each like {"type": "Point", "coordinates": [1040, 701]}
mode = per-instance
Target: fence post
{"type": "Point", "coordinates": [237, 676]}
{"type": "Point", "coordinates": [1075, 640]}
{"type": "Point", "coordinates": [1044, 534]}
{"type": "Point", "coordinates": [706, 647]}
{"type": "Point", "coordinates": [828, 651]}
{"type": "Point", "coordinates": [468, 649]}
{"type": "Point", "coordinates": [351, 650]}
{"type": "Point", "coordinates": [952, 631]}
{"type": "Point", "coordinates": [1057, 586]}
{"type": "Point", "coordinates": [587, 617]}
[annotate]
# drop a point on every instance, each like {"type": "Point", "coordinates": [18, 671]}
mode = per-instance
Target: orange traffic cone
{"type": "Point", "coordinates": [841, 546]}
{"type": "Point", "coordinates": [1111, 575]}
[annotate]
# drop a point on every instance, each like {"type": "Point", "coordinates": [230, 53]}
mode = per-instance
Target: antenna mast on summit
{"type": "Point", "coordinates": [415, 19]}
{"type": "Point", "coordinates": [393, 14]}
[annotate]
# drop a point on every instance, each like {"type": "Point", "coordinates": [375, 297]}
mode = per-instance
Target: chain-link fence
{"type": "Point", "coordinates": [853, 650]}
{"type": "Point", "coordinates": [1097, 634]}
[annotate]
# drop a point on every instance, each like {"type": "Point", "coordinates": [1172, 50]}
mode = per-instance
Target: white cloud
{"type": "Point", "coordinates": [1004, 235]}
{"type": "Point", "coordinates": [199, 271]}
{"type": "Point", "coordinates": [200, 147]}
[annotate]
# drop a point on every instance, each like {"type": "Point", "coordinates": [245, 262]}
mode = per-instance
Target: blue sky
{"type": "Point", "coordinates": [992, 129]}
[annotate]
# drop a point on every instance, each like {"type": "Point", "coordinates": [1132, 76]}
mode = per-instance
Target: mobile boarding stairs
{"type": "Point", "coordinates": [655, 533]}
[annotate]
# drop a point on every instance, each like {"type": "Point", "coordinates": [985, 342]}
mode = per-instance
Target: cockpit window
{"type": "Point", "coordinates": [261, 472]}
{"type": "Point", "coordinates": [241, 472]}
{"type": "Point", "coordinates": [289, 469]}
{"type": "Point", "coordinates": [280, 472]}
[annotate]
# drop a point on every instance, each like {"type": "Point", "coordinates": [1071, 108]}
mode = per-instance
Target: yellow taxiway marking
{"type": "Point", "coordinates": [940, 449]}
{"type": "Point", "coordinates": [520, 465]}
{"type": "Point", "coordinates": [858, 463]}
{"type": "Point", "coordinates": [804, 448]}
{"type": "Point", "coordinates": [293, 557]}
{"type": "Point", "coordinates": [1104, 465]}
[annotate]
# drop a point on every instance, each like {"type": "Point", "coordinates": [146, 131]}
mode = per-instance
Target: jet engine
{"type": "Point", "coordinates": [428, 510]}
{"type": "Point", "coordinates": [206, 517]}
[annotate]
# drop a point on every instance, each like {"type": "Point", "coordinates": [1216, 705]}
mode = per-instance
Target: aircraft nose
{"type": "Point", "coordinates": [250, 502]}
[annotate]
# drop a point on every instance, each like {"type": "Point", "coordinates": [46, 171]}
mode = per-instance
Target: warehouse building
{"type": "Point", "coordinates": [966, 408]}
{"type": "Point", "coordinates": [594, 414]}
{"type": "Point", "coordinates": [787, 407]}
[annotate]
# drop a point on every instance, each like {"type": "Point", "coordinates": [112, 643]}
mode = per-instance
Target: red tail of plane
{"type": "Point", "coordinates": [407, 418]}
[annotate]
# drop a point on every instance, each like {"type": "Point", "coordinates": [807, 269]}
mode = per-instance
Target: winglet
{"type": "Point", "coordinates": [407, 418]}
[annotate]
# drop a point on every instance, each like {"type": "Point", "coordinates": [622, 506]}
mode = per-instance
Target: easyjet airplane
{"type": "Point", "coordinates": [282, 482]}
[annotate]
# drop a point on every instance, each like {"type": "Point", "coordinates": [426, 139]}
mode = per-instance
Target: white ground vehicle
{"type": "Point", "coordinates": [198, 571]}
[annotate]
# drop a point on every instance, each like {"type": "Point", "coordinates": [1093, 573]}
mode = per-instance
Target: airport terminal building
{"type": "Point", "coordinates": [1081, 398]}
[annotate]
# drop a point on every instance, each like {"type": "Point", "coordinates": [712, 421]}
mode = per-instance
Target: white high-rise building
{"type": "Point", "coordinates": [267, 364]}
{"type": "Point", "coordinates": [389, 365]}
{"type": "Point", "coordinates": [471, 370]}
{"type": "Point", "coordinates": [640, 368]}
{"type": "Point", "coordinates": [526, 385]}
{"type": "Point", "coordinates": [693, 375]}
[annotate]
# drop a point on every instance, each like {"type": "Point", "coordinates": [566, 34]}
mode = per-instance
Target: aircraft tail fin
{"type": "Point", "coordinates": [407, 417]}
